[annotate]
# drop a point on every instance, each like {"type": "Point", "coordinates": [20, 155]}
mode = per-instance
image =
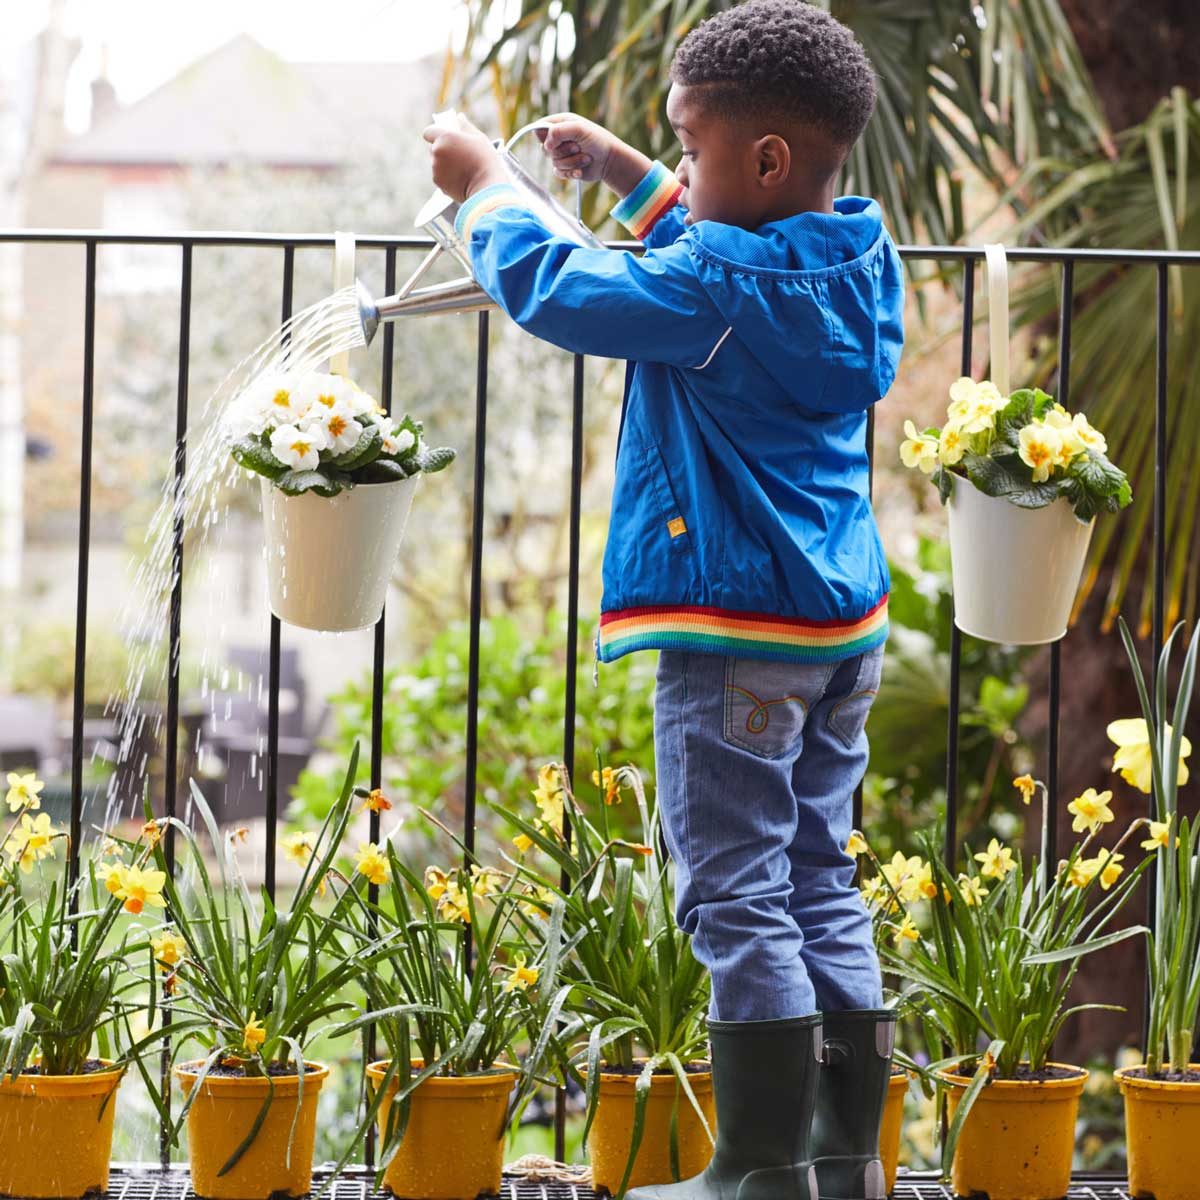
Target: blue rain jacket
{"type": "Point", "coordinates": [741, 519]}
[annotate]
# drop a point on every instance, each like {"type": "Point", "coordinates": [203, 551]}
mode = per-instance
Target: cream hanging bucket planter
{"type": "Point", "coordinates": [1015, 570]}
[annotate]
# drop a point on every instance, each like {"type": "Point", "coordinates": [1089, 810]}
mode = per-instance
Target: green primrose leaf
{"type": "Point", "coordinates": [296, 483]}
{"type": "Point", "coordinates": [432, 461]}
{"type": "Point", "coordinates": [250, 453]}
{"type": "Point", "coordinates": [365, 450]}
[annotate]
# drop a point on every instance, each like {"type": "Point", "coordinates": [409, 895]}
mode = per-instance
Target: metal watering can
{"type": "Point", "coordinates": [436, 218]}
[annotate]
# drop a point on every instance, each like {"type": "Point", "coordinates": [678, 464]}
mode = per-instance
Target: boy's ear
{"type": "Point", "coordinates": [773, 160]}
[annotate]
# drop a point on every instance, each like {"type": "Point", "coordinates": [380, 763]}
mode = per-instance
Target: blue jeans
{"type": "Point", "coordinates": [757, 763]}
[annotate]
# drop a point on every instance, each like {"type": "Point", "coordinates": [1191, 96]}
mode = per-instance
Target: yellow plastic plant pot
{"type": "Point", "coordinates": [453, 1145]}
{"type": "Point", "coordinates": [56, 1133]}
{"type": "Point", "coordinates": [225, 1111]}
{"type": "Point", "coordinates": [612, 1131]}
{"type": "Point", "coordinates": [1018, 1139]}
{"type": "Point", "coordinates": [1162, 1135]}
{"type": "Point", "coordinates": [889, 1130]}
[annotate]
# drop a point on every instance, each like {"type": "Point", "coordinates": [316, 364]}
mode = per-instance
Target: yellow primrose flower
{"type": "Point", "coordinates": [856, 845]}
{"type": "Point", "coordinates": [1133, 758]}
{"type": "Point", "coordinates": [919, 450]}
{"type": "Point", "coordinates": [1091, 437]}
{"type": "Point", "coordinates": [1090, 810]}
{"type": "Point", "coordinates": [1071, 444]}
{"type": "Point", "coordinates": [522, 977]}
{"type": "Point", "coordinates": [1109, 869]}
{"type": "Point", "coordinates": [549, 797]}
{"type": "Point", "coordinates": [608, 779]}
{"type": "Point", "coordinates": [299, 846]}
{"type": "Point", "coordinates": [485, 881]}
{"type": "Point", "coordinates": [971, 890]}
{"type": "Point", "coordinates": [906, 931]}
{"type": "Point", "coordinates": [1026, 785]}
{"type": "Point", "coordinates": [32, 841]}
{"type": "Point", "coordinates": [371, 862]}
{"type": "Point", "coordinates": [1040, 446]}
{"type": "Point", "coordinates": [140, 887]}
{"type": "Point", "coordinates": [1083, 871]}
{"type": "Point", "coordinates": [1159, 837]}
{"type": "Point", "coordinates": [997, 861]}
{"type": "Point", "coordinates": [169, 949]}
{"type": "Point", "coordinates": [23, 791]}
{"type": "Point", "coordinates": [522, 842]}
{"type": "Point", "coordinates": [253, 1034]}
{"type": "Point", "coordinates": [952, 444]}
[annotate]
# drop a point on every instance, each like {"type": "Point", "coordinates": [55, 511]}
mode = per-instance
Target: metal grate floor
{"type": "Point", "coordinates": [132, 1182]}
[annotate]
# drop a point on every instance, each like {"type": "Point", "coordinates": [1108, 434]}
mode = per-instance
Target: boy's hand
{"type": "Point", "coordinates": [581, 149]}
{"type": "Point", "coordinates": [464, 159]}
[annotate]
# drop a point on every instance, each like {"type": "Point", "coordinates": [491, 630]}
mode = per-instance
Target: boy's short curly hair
{"type": "Point", "coordinates": [781, 58]}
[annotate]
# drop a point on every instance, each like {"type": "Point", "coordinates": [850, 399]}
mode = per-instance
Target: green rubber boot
{"type": "Point", "coordinates": [765, 1076]}
{"type": "Point", "coordinates": [856, 1067]}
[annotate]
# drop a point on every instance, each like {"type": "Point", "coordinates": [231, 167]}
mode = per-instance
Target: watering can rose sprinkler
{"type": "Point", "coordinates": [437, 218]}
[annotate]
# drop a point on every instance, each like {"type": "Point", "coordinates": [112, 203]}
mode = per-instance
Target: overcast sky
{"type": "Point", "coordinates": [148, 41]}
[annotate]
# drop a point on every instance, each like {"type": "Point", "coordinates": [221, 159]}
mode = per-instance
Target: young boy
{"type": "Point", "coordinates": [762, 322]}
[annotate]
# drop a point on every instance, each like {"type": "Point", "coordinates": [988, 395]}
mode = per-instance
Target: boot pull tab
{"type": "Point", "coordinates": [835, 1052]}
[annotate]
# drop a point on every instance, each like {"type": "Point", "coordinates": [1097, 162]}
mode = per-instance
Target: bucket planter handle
{"type": "Point", "coordinates": [1016, 569]}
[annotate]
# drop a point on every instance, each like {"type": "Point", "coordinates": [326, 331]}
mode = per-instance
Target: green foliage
{"type": "Point", "coordinates": [634, 985]}
{"type": "Point", "coordinates": [520, 715]}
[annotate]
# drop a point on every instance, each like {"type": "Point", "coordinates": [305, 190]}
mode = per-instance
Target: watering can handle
{"type": "Point", "coordinates": [544, 123]}
{"type": "Point", "coordinates": [997, 282]}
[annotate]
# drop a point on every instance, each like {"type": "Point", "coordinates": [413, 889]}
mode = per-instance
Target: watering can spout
{"type": "Point", "coordinates": [456, 296]}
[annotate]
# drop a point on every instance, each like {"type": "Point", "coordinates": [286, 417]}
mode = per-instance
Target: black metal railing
{"type": "Point", "coordinates": [288, 244]}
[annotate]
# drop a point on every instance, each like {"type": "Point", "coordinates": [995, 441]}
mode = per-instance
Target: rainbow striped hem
{"type": "Point", "coordinates": [486, 200]}
{"type": "Point", "coordinates": [657, 193]}
{"type": "Point", "coordinates": [746, 635]}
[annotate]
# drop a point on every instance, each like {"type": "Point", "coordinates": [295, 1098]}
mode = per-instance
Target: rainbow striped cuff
{"type": "Point", "coordinates": [657, 193]}
{"type": "Point", "coordinates": [743, 634]}
{"type": "Point", "coordinates": [486, 200]}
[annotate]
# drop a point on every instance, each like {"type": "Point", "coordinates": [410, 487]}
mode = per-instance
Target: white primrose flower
{"type": "Point", "coordinates": [398, 441]}
{"type": "Point", "coordinates": [359, 402]}
{"type": "Point", "coordinates": [342, 431]}
{"type": "Point", "coordinates": [298, 448]}
{"type": "Point", "coordinates": [277, 399]}
{"type": "Point", "coordinates": [318, 392]}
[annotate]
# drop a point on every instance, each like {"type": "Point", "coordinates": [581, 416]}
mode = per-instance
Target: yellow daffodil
{"type": "Point", "coordinates": [253, 1034]}
{"type": "Point", "coordinates": [856, 845]}
{"type": "Point", "coordinates": [1083, 871]}
{"type": "Point", "coordinates": [23, 791]}
{"type": "Point", "coordinates": [919, 450]}
{"type": "Point", "coordinates": [111, 848]}
{"type": "Point", "coordinates": [996, 861]}
{"type": "Point", "coordinates": [455, 904]}
{"type": "Point", "coordinates": [522, 977]}
{"type": "Point", "coordinates": [112, 875]}
{"type": "Point", "coordinates": [1133, 759]}
{"type": "Point", "coordinates": [546, 896]}
{"type": "Point", "coordinates": [1110, 868]}
{"type": "Point", "coordinates": [372, 862]}
{"type": "Point", "coordinates": [906, 931]}
{"type": "Point", "coordinates": [376, 801]}
{"type": "Point", "coordinates": [1090, 810]}
{"type": "Point", "coordinates": [924, 883]}
{"type": "Point", "coordinates": [169, 949]}
{"type": "Point", "coordinates": [435, 882]}
{"type": "Point", "coordinates": [299, 846]}
{"type": "Point", "coordinates": [32, 841]}
{"type": "Point", "coordinates": [549, 797]}
{"type": "Point", "coordinates": [152, 831]}
{"type": "Point", "coordinates": [140, 887]}
{"type": "Point", "coordinates": [1159, 837]}
{"type": "Point", "coordinates": [1039, 448]}
{"type": "Point", "coordinates": [485, 881]}
{"type": "Point", "coordinates": [904, 875]}
{"type": "Point", "coordinates": [1026, 785]}
{"type": "Point", "coordinates": [522, 842]}
{"type": "Point", "coordinates": [609, 780]}
{"type": "Point", "coordinates": [971, 890]}
{"type": "Point", "coordinates": [876, 894]}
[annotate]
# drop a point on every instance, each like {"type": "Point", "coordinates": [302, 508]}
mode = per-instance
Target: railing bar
{"type": "Point", "coordinates": [174, 637]}
{"type": "Point", "coordinates": [476, 616]}
{"type": "Point", "coordinates": [289, 275]}
{"type": "Point", "coordinates": [951, 847]}
{"type": "Point", "coordinates": [572, 664]}
{"type": "Point", "coordinates": [377, 670]}
{"type": "Point", "coordinates": [81, 598]}
{"type": "Point", "coordinates": [1160, 466]}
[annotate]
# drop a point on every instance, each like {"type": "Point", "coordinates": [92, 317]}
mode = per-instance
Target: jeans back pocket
{"type": "Point", "coordinates": [848, 714]}
{"type": "Point", "coordinates": [767, 703]}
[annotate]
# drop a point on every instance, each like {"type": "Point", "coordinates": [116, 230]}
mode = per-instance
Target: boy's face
{"type": "Point", "coordinates": [718, 166]}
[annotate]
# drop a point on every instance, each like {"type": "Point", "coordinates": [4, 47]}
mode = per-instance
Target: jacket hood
{"type": "Point", "coordinates": [826, 318]}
